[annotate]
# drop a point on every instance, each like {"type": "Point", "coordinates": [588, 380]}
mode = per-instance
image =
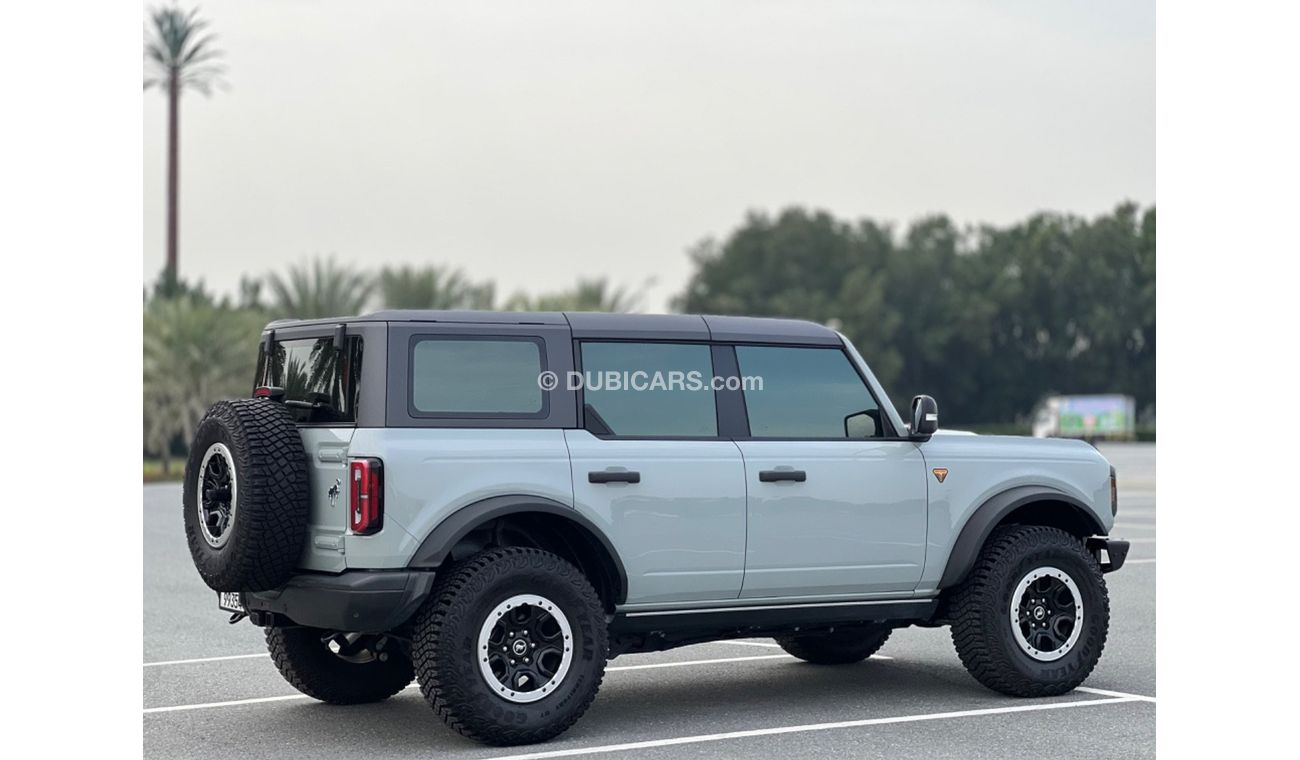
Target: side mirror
{"type": "Point", "coordinates": [925, 417]}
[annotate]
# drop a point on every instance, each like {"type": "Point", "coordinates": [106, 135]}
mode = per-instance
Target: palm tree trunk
{"type": "Point", "coordinates": [173, 176]}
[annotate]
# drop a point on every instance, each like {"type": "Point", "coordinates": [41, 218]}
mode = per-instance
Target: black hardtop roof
{"type": "Point", "coordinates": [591, 324]}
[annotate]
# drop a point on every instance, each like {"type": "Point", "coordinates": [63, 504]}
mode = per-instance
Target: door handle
{"type": "Point", "coordinates": [614, 476]}
{"type": "Point", "coordinates": [773, 476]}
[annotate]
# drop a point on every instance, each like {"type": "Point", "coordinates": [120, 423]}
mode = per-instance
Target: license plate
{"type": "Point", "coordinates": [231, 601]}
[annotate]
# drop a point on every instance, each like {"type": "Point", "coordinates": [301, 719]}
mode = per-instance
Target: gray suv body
{"type": "Point", "coordinates": [704, 477]}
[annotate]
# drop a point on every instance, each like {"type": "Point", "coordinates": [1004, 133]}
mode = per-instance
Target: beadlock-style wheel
{"type": "Point", "coordinates": [1046, 613]}
{"type": "Point", "coordinates": [218, 495]}
{"type": "Point", "coordinates": [525, 648]}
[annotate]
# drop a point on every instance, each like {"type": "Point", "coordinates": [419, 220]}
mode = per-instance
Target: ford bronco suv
{"type": "Point", "coordinates": [495, 504]}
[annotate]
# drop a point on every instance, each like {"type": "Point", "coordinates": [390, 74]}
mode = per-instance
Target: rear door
{"type": "Point", "coordinates": [320, 385]}
{"type": "Point", "coordinates": [837, 502]}
{"type": "Point", "coordinates": [650, 463]}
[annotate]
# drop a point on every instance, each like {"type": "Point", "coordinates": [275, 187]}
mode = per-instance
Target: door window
{"type": "Point", "coordinates": [806, 393]}
{"type": "Point", "coordinates": [649, 389]}
{"type": "Point", "coordinates": [493, 377]}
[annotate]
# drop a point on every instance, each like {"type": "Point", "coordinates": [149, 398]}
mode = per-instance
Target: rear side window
{"type": "Point", "coordinates": [319, 382]}
{"type": "Point", "coordinates": [649, 389]}
{"type": "Point", "coordinates": [478, 377]}
{"type": "Point", "coordinates": [807, 393]}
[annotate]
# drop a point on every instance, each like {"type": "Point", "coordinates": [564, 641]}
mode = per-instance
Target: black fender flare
{"type": "Point", "coordinates": [438, 544]}
{"type": "Point", "coordinates": [987, 516]}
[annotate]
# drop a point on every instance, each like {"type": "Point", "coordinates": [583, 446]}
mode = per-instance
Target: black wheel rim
{"type": "Point", "coordinates": [218, 495]}
{"type": "Point", "coordinates": [525, 648]}
{"type": "Point", "coordinates": [1047, 611]}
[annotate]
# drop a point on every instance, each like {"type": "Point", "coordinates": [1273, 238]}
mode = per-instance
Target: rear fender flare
{"type": "Point", "coordinates": [433, 551]}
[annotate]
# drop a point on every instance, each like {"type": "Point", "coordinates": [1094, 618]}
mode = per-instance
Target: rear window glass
{"type": "Point", "coordinates": [319, 382]}
{"type": "Point", "coordinates": [649, 389]}
{"type": "Point", "coordinates": [480, 377]}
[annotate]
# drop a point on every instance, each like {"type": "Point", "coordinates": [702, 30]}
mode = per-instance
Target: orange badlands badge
{"type": "Point", "coordinates": [940, 473]}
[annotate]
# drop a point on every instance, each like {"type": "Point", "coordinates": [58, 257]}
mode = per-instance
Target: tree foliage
{"type": "Point", "coordinates": [587, 295]}
{"type": "Point", "coordinates": [319, 289]}
{"type": "Point", "coordinates": [196, 352]}
{"type": "Point", "coordinates": [988, 320]}
{"type": "Point", "coordinates": [432, 287]}
{"type": "Point", "coordinates": [180, 52]}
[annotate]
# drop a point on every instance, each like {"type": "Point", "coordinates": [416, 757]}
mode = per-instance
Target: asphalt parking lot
{"type": "Point", "coordinates": [210, 690]}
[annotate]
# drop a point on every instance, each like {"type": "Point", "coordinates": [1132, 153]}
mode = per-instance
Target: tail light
{"type": "Point", "coordinates": [367, 496]}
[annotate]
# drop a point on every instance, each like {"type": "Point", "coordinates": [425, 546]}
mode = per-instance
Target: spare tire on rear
{"type": "Point", "coordinates": [246, 496]}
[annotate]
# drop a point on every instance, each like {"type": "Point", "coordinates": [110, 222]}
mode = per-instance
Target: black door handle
{"type": "Point", "coordinates": [772, 476]}
{"type": "Point", "coordinates": [614, 476]}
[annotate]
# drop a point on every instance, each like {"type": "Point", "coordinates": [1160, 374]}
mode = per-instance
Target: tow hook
{"type": "Point", "coordinates": [236, 617]}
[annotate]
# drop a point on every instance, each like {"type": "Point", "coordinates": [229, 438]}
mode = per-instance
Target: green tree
{"type": "Point", "coordinates": [804, 265]}
{"type": "Point", "coordinates": [180, 56]}
{"type": "Point", "coordinates": [432, 287]}
{"type": "Point", "coordinates": [988, 320]}
{"type": "Point", "coordinates": [318, 290]}
{"type": "Point", "coordinates": [588, 295]}
{"type": "Point", "coordinates": [195, 353]}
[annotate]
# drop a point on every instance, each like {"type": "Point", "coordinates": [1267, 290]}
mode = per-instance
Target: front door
{"type": "Point", "coordinates": [836, 501]}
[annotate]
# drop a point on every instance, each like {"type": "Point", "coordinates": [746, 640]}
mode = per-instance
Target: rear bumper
{"type": "Point", "coordinates": [361, 601]}
{"type": "Point", "coordinates": [1115, 549]}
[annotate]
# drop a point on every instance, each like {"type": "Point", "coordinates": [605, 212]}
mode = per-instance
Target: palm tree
{"type": "Point", "coordinates": [321, 289]}
{"type": "Point", "coordinates": [432, 287]}
{"type": "Point", "coordinates": [587, 295]}
{"type": "Point", "coordinates": [179, 57]}
{"type": "Point", "coordinates": [195, 353]}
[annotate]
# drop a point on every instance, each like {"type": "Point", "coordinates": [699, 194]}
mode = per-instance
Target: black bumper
{"type": "Point", "coordinates": [363, 601]}
{"type": "Point", "coordinates": [1116, 552]}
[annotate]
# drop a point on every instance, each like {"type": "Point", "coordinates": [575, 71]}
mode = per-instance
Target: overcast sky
{"type": "Point", "coordinates": [534, 142]}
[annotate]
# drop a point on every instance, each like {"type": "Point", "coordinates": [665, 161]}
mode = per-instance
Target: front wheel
{"type": "Point", "coordinates": [510, 648]}
{"type": "Point", "coordinates": [1031, 618]}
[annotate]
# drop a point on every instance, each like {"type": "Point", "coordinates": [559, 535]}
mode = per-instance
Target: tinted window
{"type": "Point", "coordinates": [479, 377]}
{"type": "Point", "coordinates": [806, 393]}
{"type": "Point", "coordinates": [320, 383]}
{"type": "Point", "coordinates": [665, 399]}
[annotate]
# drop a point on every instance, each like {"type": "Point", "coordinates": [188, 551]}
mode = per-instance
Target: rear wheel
{"type": "Point", "coordinates": [340, 668]}
{"type": "Point", "coordinates": [842, 646]}
{"type": "Point", "coordinates": [510, 648]}
{"type": "Point", "coordinates": [1031, 618]}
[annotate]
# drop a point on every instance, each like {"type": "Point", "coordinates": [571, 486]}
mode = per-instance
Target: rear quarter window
{"type": "Point", "coordinates": [476, 377]}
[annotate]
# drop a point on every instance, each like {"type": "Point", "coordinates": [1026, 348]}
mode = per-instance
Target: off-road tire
{"type": "Point", "coordinates": [445, 646]}
{"type": "Point", "coordinates": [843, 646]}
{"type": "Point", "coordinates": [979, 610]}
{"type": "Point", "coordinates": [269, 524]}
{"type": "Point", "coordinates": [308, 664]}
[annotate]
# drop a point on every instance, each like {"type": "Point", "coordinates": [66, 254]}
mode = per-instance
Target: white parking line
{"type": "Point", "coordinates": [611, 669]}
{"type": "Point", "coordinates": [700, 738]}
{"type": "Point", "coordinates": [1141, 561]}
{"type": "Point", "coordinates": [263, 654]}
{"type": "Point", "coordinates": [1108, 693]}
{"type": "Point", "coordinates": [206, 659]}
{"type": "Point", "coordinates": [178, 708]}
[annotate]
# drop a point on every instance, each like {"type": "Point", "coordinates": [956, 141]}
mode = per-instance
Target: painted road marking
{"type": "Point", "coordinates": [701, 738]}
{"type": "Point", "coordinates": [206, 659]}
{"type": "Point", "coordinates": [610, 669]}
